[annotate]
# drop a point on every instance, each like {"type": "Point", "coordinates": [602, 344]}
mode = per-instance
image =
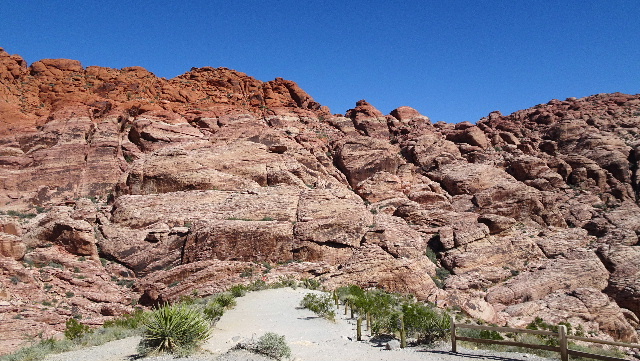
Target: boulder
{"type": "Point", "coordinates": [362, 157]}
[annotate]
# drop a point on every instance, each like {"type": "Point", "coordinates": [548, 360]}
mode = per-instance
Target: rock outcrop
{"type": "Point", "coordinates": [120, 188]}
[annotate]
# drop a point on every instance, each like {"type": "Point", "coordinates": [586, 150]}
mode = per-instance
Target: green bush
{"type": "Point", "coordinates": [285, 282]}
{"type": "Point", "coordinates": [322, 305]}
{"type": "Point", "coordinates": [490, 335]}
{"type": "Point", "coordinates": [311, 283]}
{"type": "Point", "coordinates": [441, 275]}
{"type": "Point", "coordinates": [433, 257]}
{"type": "Point", "coordinates": [238, 290]}
{"type": "Point", "coordinates": [258, 285]}
{"type": "Point", "coordinates": [426, 324]}
{"type": "Point", "coordinates": [39, 350]}
{"type": "Point", "coordinates": [129, 321]}
{"type": "Point", "coordinates": [270, 344]}
{"type": "Point", "coordinates": [273, 345]}
{"type": "Point", "coordinates": [393, 314]}
{"type": "Point", "coordinates": [213, 311]}
{"type": "Point", "coordinates": [226, 300]}
{"type": "Point", "coordinates": [77, 336]}
{"type": "Point", "coordinates": [75, 330]}
{"type": "Point", "coordinates": [20, 215]}
{"type": "Point", "coordinates": [174, 329]}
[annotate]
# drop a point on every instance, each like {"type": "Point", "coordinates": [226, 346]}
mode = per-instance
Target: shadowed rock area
{"type": "Point", "coordinates": [119, 189]}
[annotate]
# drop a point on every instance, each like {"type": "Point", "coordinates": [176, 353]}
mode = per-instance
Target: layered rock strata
{"type": "Point", "coordinates": [121, 189]}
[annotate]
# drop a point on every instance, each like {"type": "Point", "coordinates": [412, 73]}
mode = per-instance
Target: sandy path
{"type": "Point", "coordinates": [311, 338]}
{"type": "Point", "coordinates": [315, 339]}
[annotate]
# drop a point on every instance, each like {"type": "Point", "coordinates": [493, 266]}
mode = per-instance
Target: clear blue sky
{"type": "Point", "coordinates": [451, 60]}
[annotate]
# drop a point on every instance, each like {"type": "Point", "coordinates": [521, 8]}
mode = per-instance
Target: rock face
{"type": "Point", "coordinates": [121, 188]}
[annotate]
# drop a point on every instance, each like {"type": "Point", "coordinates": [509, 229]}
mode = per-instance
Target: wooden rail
{"type": "Point", "coordinates": [562, 348]}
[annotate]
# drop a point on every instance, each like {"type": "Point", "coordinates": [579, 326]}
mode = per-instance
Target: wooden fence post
{"type": "Point", "coordinates": [454, 347]}
{"type": "Point", "coordinates": [359, 328]}
{"type": "Point", "coordinates": [562, 336]}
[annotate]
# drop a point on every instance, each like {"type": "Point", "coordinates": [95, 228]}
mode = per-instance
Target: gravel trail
{"type": "Point", "coordinates": [311, 338]}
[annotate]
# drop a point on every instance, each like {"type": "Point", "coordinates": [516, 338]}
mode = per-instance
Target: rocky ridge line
{"type": "Point", "coordinates": [148, 189]}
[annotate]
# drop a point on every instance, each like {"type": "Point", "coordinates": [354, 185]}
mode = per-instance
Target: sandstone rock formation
{"type": "Point", "coordinates": [120, 188]}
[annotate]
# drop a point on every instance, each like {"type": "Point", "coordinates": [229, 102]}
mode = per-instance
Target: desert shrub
{"type": "Point", "coordinates": [225, 300]}
{"type": "Point", "coordinates": [77, 337]}
{"type": "Point", "coordinates": [433, 257]}
{"type": "Point", "coordinates": [55, 265]}
{"type": "Point", "coordinates": [186, 300]}
{"type": "Point", "coordinates": [174, 329]}
{"type": "Point", "coordinates": [238, 290]}
{"type": "Point", "coordinates": [387, 323]}
{"type": "Point", "coordinates": [490, 335]}
{"type": "Point", "coordinates": [273, 345]}
{"type": "Point", "coordinates": [74, 329]}
{"type": "Point", "coordinates": [285, 282]}
{"type": "Point", "coordinates": [539, 324]}
{"type": "Point", "coordinates": [531, 339]}
{"type": "Point", "coordinates": [378, 303]}
{"type": "Point", "coordinates": [258, 285]}
{"type": "Point", "coordinates": [247, 272]}
{"type": "Point", "coordinates": [426, 324]}
{"type": "Point", "coordinates": [311, 283]}
{"type": "Point", "coordinates": [322, 305]}
{"type": "Point", "coordinates": [392, 314]}
{"type": "Point", "coordinates": [39, 350]}
{"type": "Point", "coordinates": [270, 344]}
{"type": "Point", "coordinates": [593, 349]}
{"type": "Point", "coordinates": [129, 321]}
{"type": "Point", "coordinates": [20, 215]}
{"type": "Point", "coordinates": [213, 312]}
{"type": "Point", "coordinates": [101, 336]}
{"type": "Point", "coordinates": [349, 290]}
{"type": "Point", "coordinates": [441, 275]}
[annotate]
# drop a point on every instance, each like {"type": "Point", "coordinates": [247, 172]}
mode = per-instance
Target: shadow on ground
{"type": "Point", "coordinates": [471, 356]}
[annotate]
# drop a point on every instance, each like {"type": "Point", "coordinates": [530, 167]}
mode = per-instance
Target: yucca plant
{"type": "Point", "coordinates": [176, 329]}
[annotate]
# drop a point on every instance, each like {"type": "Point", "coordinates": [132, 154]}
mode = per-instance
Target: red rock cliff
{"type": "Point", "coordinates": [122, 188]}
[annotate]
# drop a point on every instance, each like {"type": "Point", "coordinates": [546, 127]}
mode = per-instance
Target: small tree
{"type": "Point", "coordinates": [75, 330]}
{"type": "Point", "coordinates": [322, 305]}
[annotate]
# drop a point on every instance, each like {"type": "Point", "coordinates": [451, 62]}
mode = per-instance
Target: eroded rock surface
{"type": "Point", "coordinates": [121, 188]}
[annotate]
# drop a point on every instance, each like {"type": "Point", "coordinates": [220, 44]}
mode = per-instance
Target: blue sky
{"type": "Point", "coordinates": [452, 60]}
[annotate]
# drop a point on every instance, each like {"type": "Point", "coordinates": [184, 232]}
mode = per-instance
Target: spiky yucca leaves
{"type": "Point", "coordinates": [176, 329]}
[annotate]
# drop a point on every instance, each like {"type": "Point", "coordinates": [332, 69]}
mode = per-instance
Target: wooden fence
{"type": "Point", "coordinates": [563, 341]}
